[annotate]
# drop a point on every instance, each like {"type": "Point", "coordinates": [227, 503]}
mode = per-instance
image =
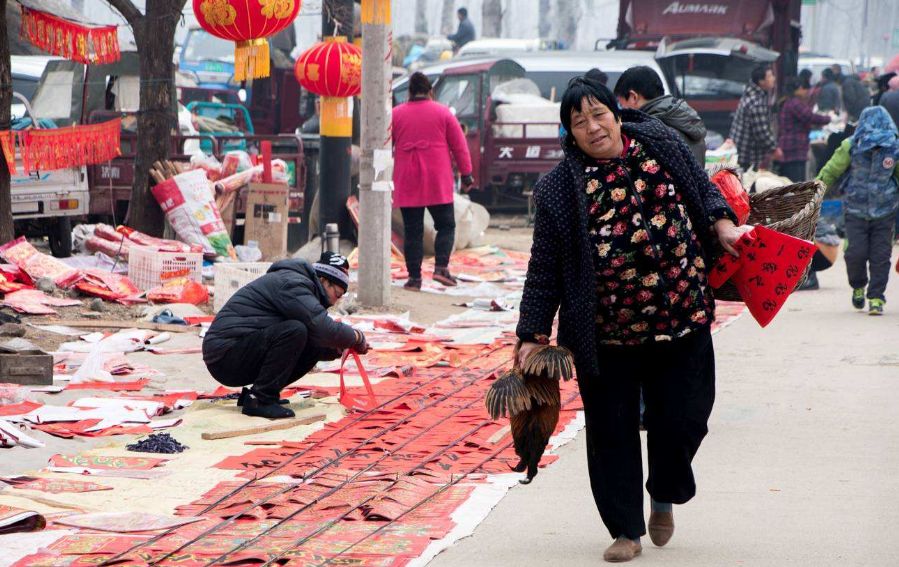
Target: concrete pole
{"type": "Point", "coordinates": [376, 167]}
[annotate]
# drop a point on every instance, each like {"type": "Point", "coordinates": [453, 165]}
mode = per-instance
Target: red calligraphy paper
{"type": "Point", "coordinates": [768, 270]}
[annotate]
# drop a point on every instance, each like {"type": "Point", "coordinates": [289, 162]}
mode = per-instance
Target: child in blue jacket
{"type": "Point", "coordinates": [870, 159]}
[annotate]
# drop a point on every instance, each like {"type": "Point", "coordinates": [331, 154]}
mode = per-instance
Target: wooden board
{"type": "Point", "coordinates": [287, 424]}
{"type": "Point", "coordinates": [106, 324]}
{"type": "Point", "coordinates": [267, 211]}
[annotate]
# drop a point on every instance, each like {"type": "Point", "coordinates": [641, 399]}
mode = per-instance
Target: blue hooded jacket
{"type": "Point", "coordinates": [870, 159]}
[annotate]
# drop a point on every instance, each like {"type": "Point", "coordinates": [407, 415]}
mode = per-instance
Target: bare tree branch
{"type": "Point", "coordinates": [127, 9]}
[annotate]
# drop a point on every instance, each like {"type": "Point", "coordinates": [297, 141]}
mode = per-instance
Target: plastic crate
{"type": "Point", "coordinates": [232, 276]}
{"type": "Point", "coordinates": [149, 268]}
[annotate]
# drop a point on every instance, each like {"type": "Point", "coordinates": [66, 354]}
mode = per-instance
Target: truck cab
{"type": "Point", "coordinates": [43, 202]}
{"type": "Point", "coordinates": [209, 60]}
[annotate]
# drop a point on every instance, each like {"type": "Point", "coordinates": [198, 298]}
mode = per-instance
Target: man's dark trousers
{"type": "Point", "coordinates": [678, 381]}
{"type": "Point", "coordinates": [270, 359]}
{"type": "Point", "coordinates": [870, 243]}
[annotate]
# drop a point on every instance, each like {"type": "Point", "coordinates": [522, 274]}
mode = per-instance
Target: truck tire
{"type": "Point", "coordinates": [61, 237]}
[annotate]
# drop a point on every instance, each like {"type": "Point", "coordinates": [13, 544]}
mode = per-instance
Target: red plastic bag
{"type": "Point", "coordinates": [352, 401]}
{"type": "Point", "coordinates": [729, 185]}
{"type": "Point", "coordinates": [187, 292]}
{"type": "Point", "coordinates": [767, 271]}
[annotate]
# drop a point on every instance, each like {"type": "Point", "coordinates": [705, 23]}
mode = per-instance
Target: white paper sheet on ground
{"type": "Point", "coordinates": [483, 289]}
{"type": "Point", "coordinates": [18, 545]}
{"type": "Point", "coordinates": [126, 340]}
{"type": "Point", "coordinates": [150, 407]}
{"type": "Point", "coordinates": [49, 389]}
{"type": "Point", "coordinates": [92, 368]}
{"type": "Point", "coordinates": [123, 473]}
{"type": "Point", "coordinates": [108, 416]}
{"type": "Point", "coordinates": [10, 436]}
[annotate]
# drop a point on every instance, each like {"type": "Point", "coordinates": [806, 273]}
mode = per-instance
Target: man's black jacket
{"type": "Point", "coordinates": [561, 273]}
{"type": "Point", "coordinates": [289, 290]}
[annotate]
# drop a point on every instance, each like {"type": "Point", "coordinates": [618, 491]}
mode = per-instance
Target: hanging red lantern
{"type": "Point", "coordinates": [247, 23]}
{"type": "Point", "coordinates": [331, 68]}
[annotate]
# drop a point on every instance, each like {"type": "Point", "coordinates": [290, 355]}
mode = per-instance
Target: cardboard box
{"type": "Point", "coordinates": [268, 205]}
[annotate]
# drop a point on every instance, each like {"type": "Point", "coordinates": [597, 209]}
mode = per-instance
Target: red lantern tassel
{"type": "Point", "coordinates": [251, 59]}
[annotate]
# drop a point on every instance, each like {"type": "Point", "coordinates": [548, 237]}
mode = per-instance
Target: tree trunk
{"type": "Point", "coordinates": [421, 16]}
{"type": "Point", "coordinates": [545, 26]}
{"type": "Point", "coordinates": [492, 18]}
{"type": "Point", "coordinates": [7, 232]}
{"type": "Point", "coordinates": [447, 19]}
{"type": "Point", "coordinates": [568, 12]}
{"type": "Point", "coordinates": [154, 35]}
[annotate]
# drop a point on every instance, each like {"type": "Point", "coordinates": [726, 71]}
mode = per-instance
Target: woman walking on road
{"type": "Point", "coordinates": [870, 160]}
{"type": "Point", "coordinates": [624, 231]}
{"type": "Point", "coordinates": [425, 133]}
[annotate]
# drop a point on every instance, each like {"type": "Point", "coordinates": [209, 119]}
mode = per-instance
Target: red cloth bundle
{"type": "Point", "coordinates": [187, 292]}
{"type": "Point", "coordinates": [767, 271]}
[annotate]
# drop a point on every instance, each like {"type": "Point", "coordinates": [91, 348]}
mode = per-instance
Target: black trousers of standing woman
{"type": "Point", "coordinates": [414, 225]}
{"type": "Point", "coordinates": [678, 381]}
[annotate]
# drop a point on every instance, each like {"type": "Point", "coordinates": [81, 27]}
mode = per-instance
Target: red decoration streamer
{"type": "Point", "coordinates": [70, 40]}
{"type": "Point", "coordinates": [60, 148]}
{"type": "Point", "coordinates": [8, 144]}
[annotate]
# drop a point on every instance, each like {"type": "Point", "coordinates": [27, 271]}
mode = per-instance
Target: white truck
{"type": "Point", "coordinates": [44, 202]}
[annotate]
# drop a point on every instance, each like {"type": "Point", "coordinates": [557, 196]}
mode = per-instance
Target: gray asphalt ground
{"type": "Point", "coordinates": [801, 466]}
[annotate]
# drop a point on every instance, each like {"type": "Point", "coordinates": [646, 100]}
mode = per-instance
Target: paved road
{"type": "Point", "coordinates": [801, 466]}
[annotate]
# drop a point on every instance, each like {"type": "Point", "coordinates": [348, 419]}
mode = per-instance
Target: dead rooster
{"type": "Point", "coordinates": [531, 398]}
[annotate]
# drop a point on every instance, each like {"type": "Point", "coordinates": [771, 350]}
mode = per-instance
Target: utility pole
{"type": "Point", "coordinates": [336, 131]}
{"type": "Point", "coordinates": [376, 168]}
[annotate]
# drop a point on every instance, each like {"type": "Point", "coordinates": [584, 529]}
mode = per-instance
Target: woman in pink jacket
{"type": "Point", "coordinates": [425, 133]}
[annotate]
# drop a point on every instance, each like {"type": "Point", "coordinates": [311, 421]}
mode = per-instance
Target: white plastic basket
{"type": "Point", "coordinates": [148, 267]}
{"type": "Point", "coordinates": [232, 276]}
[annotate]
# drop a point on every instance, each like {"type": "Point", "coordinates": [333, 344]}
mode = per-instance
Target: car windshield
{"type": "Point", "coordinates": [201, 46]}
{"type": "Point", "coordinates": [460, 93]}
{"type": "Point", "coordinates": [547, 80]}
{"type": "Point", "coordinates": [712, 76]}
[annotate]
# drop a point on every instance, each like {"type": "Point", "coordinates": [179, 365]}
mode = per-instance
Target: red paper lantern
{"type": "Point", "coordinates": [331, 68]}
{"type": "Point", "coordinates": [247, 23]}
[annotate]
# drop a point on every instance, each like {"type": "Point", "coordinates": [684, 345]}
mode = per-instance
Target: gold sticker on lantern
{"type": "Point", "coordinates": [218, 12]}
{"type": "Point", "coordinates": [350, 69]}
{"type": "Point", "coordinates": [279, 9]}
{"type": "Point", "coordinates": [312, 71]}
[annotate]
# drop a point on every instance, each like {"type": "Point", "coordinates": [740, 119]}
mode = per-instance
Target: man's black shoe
{"type": "Point", "coordinates": [258, 408]}
{"type": "Point", "coordinates": [243, 398]}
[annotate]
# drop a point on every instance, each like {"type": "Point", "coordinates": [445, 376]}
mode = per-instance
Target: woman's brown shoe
{"type": "Point", "coordinates": [661, 527]}
{"type": "Point", "coordinates": [622, 549]}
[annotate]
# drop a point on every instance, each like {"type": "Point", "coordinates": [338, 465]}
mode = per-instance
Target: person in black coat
{"type": "Point", "coordinates": [625, 231]}
{"type": "Point", "coordinates": [276, 328]}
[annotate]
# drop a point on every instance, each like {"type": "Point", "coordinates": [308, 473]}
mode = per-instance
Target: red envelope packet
{"type": "Point", "coordinates": [767, 271]}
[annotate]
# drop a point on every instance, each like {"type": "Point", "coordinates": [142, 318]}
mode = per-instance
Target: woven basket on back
{"type": "Point", "coordinates": [791, 209]}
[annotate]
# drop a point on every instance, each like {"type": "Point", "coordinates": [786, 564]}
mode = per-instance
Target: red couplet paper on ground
{"type": "Point", "coordinates": [352, 401]}
{"type": "Point", "coordinates": [768, 269]}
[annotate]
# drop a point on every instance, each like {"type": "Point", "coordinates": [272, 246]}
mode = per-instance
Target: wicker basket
{"type": "Point", "coordinates": [791, 209]}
